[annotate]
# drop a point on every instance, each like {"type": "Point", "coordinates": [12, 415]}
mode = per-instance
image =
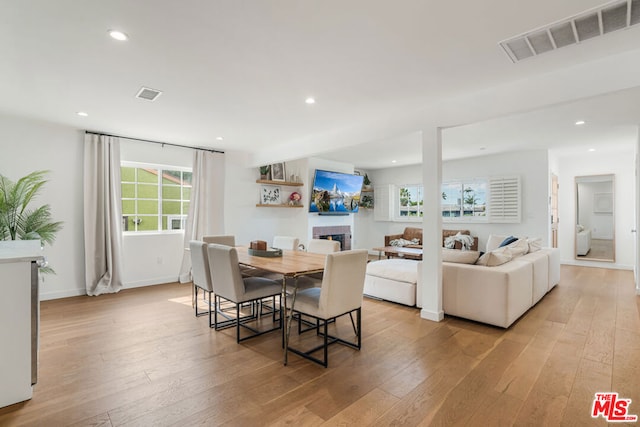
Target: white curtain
{"type": "Point", "coordinates": [206, 211]}
{"type": "Point", "coordinates": [102, 214]}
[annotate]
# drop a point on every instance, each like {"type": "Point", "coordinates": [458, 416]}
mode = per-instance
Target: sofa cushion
{"type": "Point", "coordinates": [460, 257]}
{"type": "Point", "coordinates": [496, 257]}
{"type": "Point", "coordinates": [535, 244]}
{"type": "Point", "coordinates": [401, 270]}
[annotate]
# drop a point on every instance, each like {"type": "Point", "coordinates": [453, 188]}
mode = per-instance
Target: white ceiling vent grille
{"type": "Point", "coordinates": [613, 16]}
{"type": "Point", "coordinates": [148, 94]}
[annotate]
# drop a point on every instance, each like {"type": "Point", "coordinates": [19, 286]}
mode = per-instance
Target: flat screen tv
{"type": "Point", "coordinates": [335, 193]}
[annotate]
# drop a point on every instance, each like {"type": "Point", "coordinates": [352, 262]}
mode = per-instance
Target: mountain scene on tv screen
{"type": "Point", "coordinates": [335, 192]}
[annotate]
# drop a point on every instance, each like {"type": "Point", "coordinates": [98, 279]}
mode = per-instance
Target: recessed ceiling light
{"type": "Point", "coordinates": [579, 122]}
{"type": "Point", "coordinates": [483, 148]}
{"type": "Point", "coordinates": [118, 35]}
{"type": "Point", "coordinates": [393, 161]}
{"type": "Point", "coordinates": [310, 100]}
{"type": "Point", "coordinates": [592, 149]}
{"type": "Point", "coordinates": [82, 113]}
{"type": "Point", "coordinates": [219, 138]}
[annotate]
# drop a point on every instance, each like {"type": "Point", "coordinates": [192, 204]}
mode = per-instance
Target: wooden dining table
{"type": "Point", "coordinates": [292, 264]}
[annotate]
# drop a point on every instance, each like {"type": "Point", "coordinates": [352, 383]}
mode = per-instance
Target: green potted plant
{"type": "Point", "coordinates": [18, 221]}
{"type": "Point", "coordinates": [366, 182]}
{"type": "Point", "coordinates": [264, 171]}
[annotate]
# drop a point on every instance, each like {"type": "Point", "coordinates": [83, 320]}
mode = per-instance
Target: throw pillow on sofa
{"type": "Point", "coordinates": [519, 247]}
{"type": "Point", "coordinates": [534, 244]}
{"type": "Point", "coordinates": [496, 257]}
{"type": "Point", "coordinates": [460, 257]}
{"type": "Point", "coordinates": [506, 242]}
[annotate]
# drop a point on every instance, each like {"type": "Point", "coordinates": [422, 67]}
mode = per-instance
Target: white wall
{"type": "Point", "coordinates": [531, 166]}
{"type": "Point", "coordinates": [28, 145]}
{"type": "Point", "coordinates": [247, 221]}
{"type": "Point", "coordinates": [619, 163]}
{"type": "Point", "coordinates": [370, 233]}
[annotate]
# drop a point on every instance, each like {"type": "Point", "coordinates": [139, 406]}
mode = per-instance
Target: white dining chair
{"type": "Point", "coordinates": [231, 286]}
{"type": "Point", "coordinates": [323, 246]}
{"type": "Point", "coordinates": [339, 295]}
{"type": "Point", "coordinates": [201, 275]}
{"type": "Point", "coordinates": [285, 242]}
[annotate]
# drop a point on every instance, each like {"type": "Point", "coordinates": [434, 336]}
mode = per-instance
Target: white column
{"type": "Point", "coordinates": [432, 225]}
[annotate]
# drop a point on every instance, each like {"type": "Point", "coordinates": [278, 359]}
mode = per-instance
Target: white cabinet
{"type": "Point", "coordinates": [18, 322]}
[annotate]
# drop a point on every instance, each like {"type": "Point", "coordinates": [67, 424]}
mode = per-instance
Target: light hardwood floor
{"type": "Point", "coordinates": [140, 358]}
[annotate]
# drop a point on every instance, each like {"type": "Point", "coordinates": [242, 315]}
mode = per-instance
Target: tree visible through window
{"type": "Point", "coordinates": [464, 199]}
{"type": "Point", "coordinates": [411, 201]}
{"type": "Point", "coordinates": [154, 197]}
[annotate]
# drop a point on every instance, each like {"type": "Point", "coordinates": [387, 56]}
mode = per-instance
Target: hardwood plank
{"type": "Point", "coordinates": [365, 410]}
{"type": "Point", "coordinates": [140, 357]}
{"type": "Point", "coordinates": [591, 375]}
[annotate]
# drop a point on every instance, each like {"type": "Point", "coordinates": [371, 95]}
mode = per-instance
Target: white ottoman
{"type": "Point", "coordinates": [392, 280]}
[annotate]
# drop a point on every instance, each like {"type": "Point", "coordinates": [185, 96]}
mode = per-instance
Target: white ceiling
{"type": "Point", "coordinates": [243, 69]}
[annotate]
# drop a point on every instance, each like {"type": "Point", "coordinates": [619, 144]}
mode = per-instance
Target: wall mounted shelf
{"type": "Point", "coordinates": [285, 183]}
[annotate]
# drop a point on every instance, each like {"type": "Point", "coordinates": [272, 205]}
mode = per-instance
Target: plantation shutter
{"type": "Point", "coordinates": [504, 199]}
{"type": "Point", "coordinates": [382, 208]}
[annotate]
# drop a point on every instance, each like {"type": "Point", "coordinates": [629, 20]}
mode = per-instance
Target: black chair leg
{"type": "Point", "coordinates": [326, 344]}
{"type": "Point", "coordinates": [353, 324]}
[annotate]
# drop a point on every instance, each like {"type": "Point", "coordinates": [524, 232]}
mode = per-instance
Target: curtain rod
{"type": "Point", "coordinates": [156, 142]}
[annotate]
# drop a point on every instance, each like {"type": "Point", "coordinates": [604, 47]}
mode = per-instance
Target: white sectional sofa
{"type": "Point", "coordinates": [392, 280]}
{"type": "Point", "coordinates": [497, 295]}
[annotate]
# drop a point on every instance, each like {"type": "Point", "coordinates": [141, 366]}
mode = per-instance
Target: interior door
{"type": "Point", "coordinates": [554, 211]}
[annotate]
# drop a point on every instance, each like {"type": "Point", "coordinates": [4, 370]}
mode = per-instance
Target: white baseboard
{"type": "Point", "coordinates": [149, 282]}
{"type": "Point", "coordinates": [432, 315]}
{"type": "Point", "coordinates": [45, 296]}
{"type": "Point", "coordinates": [597, 264]}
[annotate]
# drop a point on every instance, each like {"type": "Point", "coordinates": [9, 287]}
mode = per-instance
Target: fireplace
{"type": "Point", "coordinates": [341, 233]}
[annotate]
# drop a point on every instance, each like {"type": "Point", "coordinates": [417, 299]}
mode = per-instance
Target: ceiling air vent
{"type": "Point", "coordinates": [148, 94]}
{"type": "Point", "coordinates": [612, 16]}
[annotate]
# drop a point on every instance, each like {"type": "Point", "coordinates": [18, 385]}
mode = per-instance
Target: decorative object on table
{"type": "Point", "coordinates": [258, 245]}
{"type": "Point", "coordinates": [267, 253]}
{"type": "Point", "coordinates": [264, 172]}
{"type": "Point", "coordinates": [17, 220]}
{"type": "Point", "coordinates": [270, 195]}
{"type": "Point", "coordinates": [294, 198]}
{"type": "Point", "coordinates": [278, 172]}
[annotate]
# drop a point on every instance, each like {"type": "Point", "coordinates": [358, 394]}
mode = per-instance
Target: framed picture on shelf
{"type": "Point", "coordinates": [277, 172]}
{"type": "Point", "coordinates": [270, 195]}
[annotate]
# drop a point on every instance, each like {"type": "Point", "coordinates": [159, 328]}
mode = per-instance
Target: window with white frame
{"type": "Point", "coordinates": [154, 197]}
{"type": "Point", "coordinates": [465, 200]}
{"type": "Point", "coordinates": [496, 199]}
{"type": "Point", "coordinates": [410, 202]}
